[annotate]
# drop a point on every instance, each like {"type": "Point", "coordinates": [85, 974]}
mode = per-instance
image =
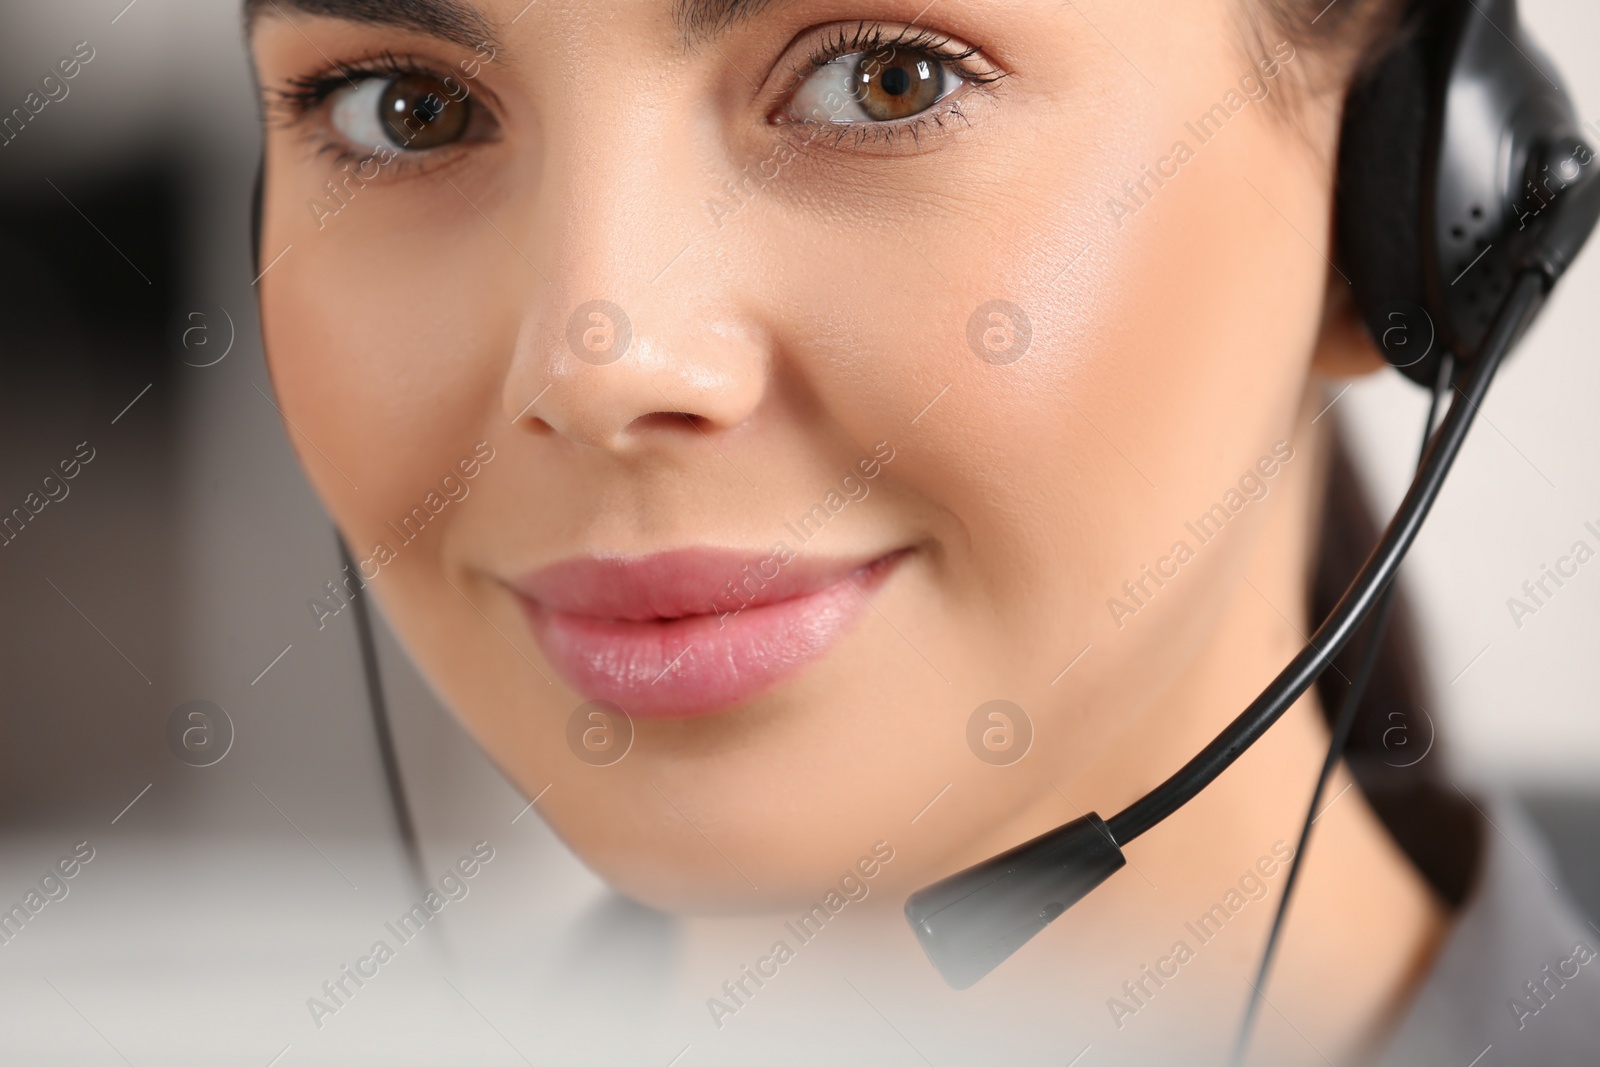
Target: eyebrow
{"type": "Point", "coordinates": [463, 24]}
{"type": "Point", "coordinates": [449, 20]}
{"type": "Point", "coordinates": [704, 19]}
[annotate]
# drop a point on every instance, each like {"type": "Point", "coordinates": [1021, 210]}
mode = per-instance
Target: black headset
{"type": "Point", "coordinates": [1465, 190]}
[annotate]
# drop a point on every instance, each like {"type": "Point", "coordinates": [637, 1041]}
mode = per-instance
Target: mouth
{"type": "Point", "coordinates": [694, 631]}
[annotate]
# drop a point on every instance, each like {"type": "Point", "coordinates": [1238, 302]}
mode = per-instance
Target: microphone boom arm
{"type": "Point", "coordinates": [973, 920]}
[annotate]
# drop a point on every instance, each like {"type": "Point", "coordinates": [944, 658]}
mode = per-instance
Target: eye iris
{"type": "Point", "coordinates": [419, 112]}
{"type": "Point", "coordinates": [890, 85]}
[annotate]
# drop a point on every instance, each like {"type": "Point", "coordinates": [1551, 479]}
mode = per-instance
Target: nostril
{"type": "Point", "coordinates": [668, 420]}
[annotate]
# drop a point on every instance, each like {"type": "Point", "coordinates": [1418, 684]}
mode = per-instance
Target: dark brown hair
{"type": "Point", "coordinates": [1341, 36]}
{"type": "Point", "coordinates": [1394, 749]}
{"type": "Point", "coordinates": [1394, 752]}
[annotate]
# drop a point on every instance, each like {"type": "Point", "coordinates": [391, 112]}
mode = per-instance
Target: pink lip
{"type": "Point", "coordinates": [694, 631]}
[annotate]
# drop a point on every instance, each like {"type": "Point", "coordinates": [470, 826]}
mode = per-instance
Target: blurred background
{"type": "Point", "coordinates": [177, 566]}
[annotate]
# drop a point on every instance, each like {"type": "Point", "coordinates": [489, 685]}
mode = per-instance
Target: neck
{"type": "Point", "coordinates": [1361, 912]}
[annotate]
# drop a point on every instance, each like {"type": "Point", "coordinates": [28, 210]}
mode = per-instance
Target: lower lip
{"type": "Point", "coordinates": [700, 664]}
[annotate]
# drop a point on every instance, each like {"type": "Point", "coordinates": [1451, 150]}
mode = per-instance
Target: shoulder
{"type": "Point", "coordinates": [1518, 977]}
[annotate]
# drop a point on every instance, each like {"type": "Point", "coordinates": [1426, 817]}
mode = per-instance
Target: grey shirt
{"type": "Point", "coordinates": [1518, 978]}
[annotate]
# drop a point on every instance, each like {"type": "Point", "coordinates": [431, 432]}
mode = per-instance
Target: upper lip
{"type": "Point", "coordinates": [679, 583]}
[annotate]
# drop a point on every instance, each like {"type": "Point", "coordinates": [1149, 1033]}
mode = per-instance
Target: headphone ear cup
{"type": "Point", "coordinates": [1383, 169]}
{"type": "Point", "coordinates": [1444, 157]}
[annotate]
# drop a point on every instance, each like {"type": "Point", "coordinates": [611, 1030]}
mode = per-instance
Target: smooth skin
{"type": "Point", "coordinates": [796, 324]}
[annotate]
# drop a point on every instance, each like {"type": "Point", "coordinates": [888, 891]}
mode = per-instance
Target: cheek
{"type": "Point", "coordinates": [385, 360]}
{"type": "Point", "coordinates": [1159, 367]}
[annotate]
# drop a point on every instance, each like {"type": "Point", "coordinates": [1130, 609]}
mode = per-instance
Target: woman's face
{"type": "Point", "coordinates": [927, 326]}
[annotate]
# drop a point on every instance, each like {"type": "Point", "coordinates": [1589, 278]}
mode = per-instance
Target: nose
{"type": "Point", "coordinates": [602, 376]}
{"type": "Point", "coordinates": [641, 333]}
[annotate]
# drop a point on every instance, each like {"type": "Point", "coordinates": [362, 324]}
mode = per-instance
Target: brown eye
{"type": "Point", "coordinates": [421, 112]}
{"type": "Point", "coordinates": [407, 113]}
{"type": "Point", "coordinates": [891, 84]}
{"type": "Point", "coordinates": [882, 86]}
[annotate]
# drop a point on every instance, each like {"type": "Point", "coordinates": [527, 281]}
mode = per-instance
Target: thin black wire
{"type": "Point", "coordinates": [380, 723]}
{"type": "Point", "coordinates": [1340, 736]}
{"type": "Point", "coordinates": [371, 672]}
{"type": "Point", "coordinates": [1354, 607]}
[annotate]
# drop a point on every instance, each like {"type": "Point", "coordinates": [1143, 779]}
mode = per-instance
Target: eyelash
{"type": "Point", "coordinates": [306, 92]}
{"type": "Point", "coordinates": [303, 95]}
{"type": "Point", "coordinates": [865, 37]}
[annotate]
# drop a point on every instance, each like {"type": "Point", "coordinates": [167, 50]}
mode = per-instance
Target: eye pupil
{"type": "Point", "coordinates": [891, 86]}
{"type": "Point", "coordinates": [420, 113]}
